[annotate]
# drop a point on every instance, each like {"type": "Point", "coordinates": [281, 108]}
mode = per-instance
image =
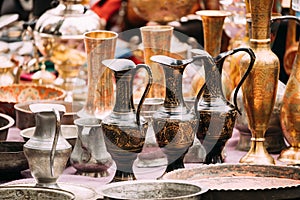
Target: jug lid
{"type": "Point", "coordinates": [46, 107]}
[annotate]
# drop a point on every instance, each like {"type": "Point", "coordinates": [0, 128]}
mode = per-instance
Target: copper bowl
{"type": "Point", "coordinates": [152, 189]}
{"type": "Point", "coordinates": [25, 118]}
{"type": "Point", "coordinates": [31, 192]}
{"type": "Point", "coordinates": [5, 123]}
{"type": "Point", "coordinates": [163, 11]}
{"type": "Point", "coordinates": [12, 159]}
{"type": "Point", "coordinates": [69, 132]}
{"type": "Point", "coordinates": [17, 93]}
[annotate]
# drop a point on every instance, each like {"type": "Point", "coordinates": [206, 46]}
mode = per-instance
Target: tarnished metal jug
{"type": "Point", "coordinates": [47, 151]}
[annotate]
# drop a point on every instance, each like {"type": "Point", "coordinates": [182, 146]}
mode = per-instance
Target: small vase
{"type": "Point", "coordinates": [124, 129]}
{"type": "Point", "coordinates": [89, 156]}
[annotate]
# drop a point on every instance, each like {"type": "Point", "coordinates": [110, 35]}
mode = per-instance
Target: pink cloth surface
{"type": "Point", "coordinates": [88, 185]}
{"type": "Point", "coordinates": [232, 154]}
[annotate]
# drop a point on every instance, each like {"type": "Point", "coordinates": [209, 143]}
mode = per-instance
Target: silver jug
{"type": "Point", "coordinates": [47, 151]}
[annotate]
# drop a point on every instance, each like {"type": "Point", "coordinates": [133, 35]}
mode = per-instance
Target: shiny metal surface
{"type": "Point", "coordinates": [260, 88]}
{"type": "Point", "coordinates": [99, 45]}
{"type": "Point", "coordinates": [243, 181]}
{"type": "Point", "coordinates": [59, 37]}
{"type": "Point", "coordinates": [47, 151]}
{"type": "Point", "coordinates": [89, 156]}
{"type": "Point", "coordinates": [163, 11]}
{"type": "Point", "coordinates": [289, 115]}
{"type": "Point", "coordinates": [29, 192]}
{"type": "Point", "coordinates": [153, 189]}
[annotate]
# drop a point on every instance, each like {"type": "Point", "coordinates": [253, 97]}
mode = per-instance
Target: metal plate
{"type": "Point", "coordinates": [242, 181]}
{"type": "Point", "coordinates": [80, 192]}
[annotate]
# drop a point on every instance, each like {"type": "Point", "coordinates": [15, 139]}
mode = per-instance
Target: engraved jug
{"type": "Point", "coordinates": [124, 129]}
{"type": "Point", "coordinates": [215, 113]}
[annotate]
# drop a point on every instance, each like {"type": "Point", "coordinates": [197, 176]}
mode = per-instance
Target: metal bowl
{"type": "Point", "coordinates": [12, 159]}
{"type": "Point", "coordinates": [17, 93]}
{"type": "Point", "coordinates": [152, 189]}
{"type": "Point", "coordinates": [163, 11]}
{"type": "Point", "coordinates": [243, 181]}
{"type": "Point", "coordinates": [69, 132]}
{"type": "Point", "coordinates": [30, 192]}
{"type": "Point", "coordinates": [5, 123]}
{"type": "Point", "coordinates": [25, 118]}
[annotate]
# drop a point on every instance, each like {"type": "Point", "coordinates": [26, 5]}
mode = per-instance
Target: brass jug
{"type": "Point", "coordinates": [47, 151]}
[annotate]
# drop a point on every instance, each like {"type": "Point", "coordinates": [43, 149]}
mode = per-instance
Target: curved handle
{"type": "Point", "coordinates": [279, 18]}
{"type": "Point", "coordinates": [287, 17]}
{"type": "Point", "coordinates": [219, 63]}
{"type": "Point", "coordinates": [55, 140]}
{"type": "Point", "coordinates": [207, 60]}
{"type": "Point", "coordinates": [147, 89]}
{"type": "Point", "coordinates": [197, 100]}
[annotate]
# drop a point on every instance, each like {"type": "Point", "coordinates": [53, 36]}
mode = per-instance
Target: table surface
{"type": "Point", "coordinates": [71, 181]}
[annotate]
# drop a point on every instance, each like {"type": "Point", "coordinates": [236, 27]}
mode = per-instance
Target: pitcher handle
{"type": "Point", "coordinates": [288, 17]}
{"type": "Point", "coordinates": [55, 140]}
{"type": "Point", "coordinates": [219, 62]}
{"type": "Point", "coordinates": [147, 89]}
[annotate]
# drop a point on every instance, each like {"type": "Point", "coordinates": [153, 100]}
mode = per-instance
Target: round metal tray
{"type": "Point", "coordinates": [243, 181]}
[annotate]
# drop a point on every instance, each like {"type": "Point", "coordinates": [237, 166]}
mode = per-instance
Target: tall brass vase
{"type": "Point", "coordinates": [260, 87]}
{"type": "Point", "coordinates": [99, 45]}
{"type": "Point", "coordinates": [156, 41]}
{"type": "Point", "coordinates": [290, 115]}
{"type": "Point", "coordinates": [213, 21]}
